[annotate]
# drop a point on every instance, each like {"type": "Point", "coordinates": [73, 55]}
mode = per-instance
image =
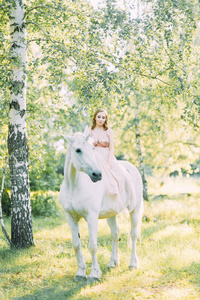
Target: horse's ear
{"type": "Point", "coordinates": [87, 137]}
{"type": "Point", "coordinates": [86, 130]}
{"type": "Point", "coordinates": [68, 138]}
{"type": "Point", "coordinates": [87, 133]}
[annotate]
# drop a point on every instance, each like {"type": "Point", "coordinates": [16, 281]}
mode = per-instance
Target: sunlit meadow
{"type": "Point", "coordinates": [169, 254]}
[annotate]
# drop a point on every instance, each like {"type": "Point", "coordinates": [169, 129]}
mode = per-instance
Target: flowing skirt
{"type": "Point", "coordinates": [120, 193]}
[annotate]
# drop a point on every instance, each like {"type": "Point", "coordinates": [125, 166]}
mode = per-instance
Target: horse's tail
{"type": "Point", "coordinates": [141, 211]}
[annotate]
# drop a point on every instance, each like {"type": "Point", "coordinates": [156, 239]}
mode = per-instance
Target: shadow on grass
{"type": "Point", "coordinates": [9, 255]}
{"type": "Point", "coordinates": [155, 228]}
{"type": "Point", "coordinates": [194, 270]}
{"type": "Point", "coordinates": [55, 285]}
{"type": "Point", "coordinates": [191, 272]}
{"type": "Point", "coordinates": [58, 285]}
{"type": "Point", "coordinates": [163, 197]}
{"type": "Point", "coordinates": [64, 289]}
{"type": "Point", "coordinates": [41, 223]}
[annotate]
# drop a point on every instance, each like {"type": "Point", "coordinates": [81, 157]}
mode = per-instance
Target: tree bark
{"type": "Point", "coordinates": [139, 149]}
{"type": "Point", "coordinates": [21, 222]}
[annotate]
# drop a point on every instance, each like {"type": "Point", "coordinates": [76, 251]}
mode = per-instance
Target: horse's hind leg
{"type": "Point", "coordinates": [73, 224]}
{"type": "Point", "coordinates": [114, 260]}
{"type": "Point", "coordinates": [134, 215]}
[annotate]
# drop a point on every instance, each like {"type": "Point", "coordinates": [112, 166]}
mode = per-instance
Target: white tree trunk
{"type": "Point", "coordinates": [139, 149]}
{"type": "Point", "coordinates": [21, 223]}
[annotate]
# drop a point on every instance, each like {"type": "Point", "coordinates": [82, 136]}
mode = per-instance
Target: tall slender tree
{"type": "Point", "coordinates": [139, 148]}
{"type": "Point", "coordinates": [21, 222]}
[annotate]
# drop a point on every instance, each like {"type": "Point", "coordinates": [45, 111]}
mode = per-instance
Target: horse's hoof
{"type": "Point", "coordinates": [92, 280]}
{"type": "Point", "coordinates": [108, 267]}
{"type": "Point", "coordinates": [113, 265]}
{"type": "Point", "coordinates": [79, 278]}
{"type": "Point", "coordinates": [131, 268]}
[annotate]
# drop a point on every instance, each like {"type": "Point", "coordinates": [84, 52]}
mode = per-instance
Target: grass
{"type": "Point", "coordinates": [169, 254]}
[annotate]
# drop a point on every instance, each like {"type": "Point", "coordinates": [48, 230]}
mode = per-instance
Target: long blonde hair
{"type": "Point", "coordinates": [105, 125]}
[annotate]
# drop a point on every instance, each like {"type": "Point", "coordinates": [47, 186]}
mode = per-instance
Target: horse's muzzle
{"type": "Point", "coordinates": [96, 176]}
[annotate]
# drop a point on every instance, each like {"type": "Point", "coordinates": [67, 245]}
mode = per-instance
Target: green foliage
{"type": "Point", "coordinates": [46, 174]}
{"type": "Point", "coordinates": [80, 58]}
{"type": "Point", "coordinates": [43, 205]}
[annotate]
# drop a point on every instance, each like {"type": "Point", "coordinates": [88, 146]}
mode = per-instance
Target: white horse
{"type": "Point", "coordinates": [82, 194]}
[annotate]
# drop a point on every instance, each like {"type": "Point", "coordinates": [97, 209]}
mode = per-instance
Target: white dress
{"type": "Point", "coordinates": [118, 182]}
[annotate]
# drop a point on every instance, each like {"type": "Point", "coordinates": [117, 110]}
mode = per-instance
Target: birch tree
{"type": "Point", "coordinates": [139, 149]}
{"type": "Point", "coordinates": [21, 222]}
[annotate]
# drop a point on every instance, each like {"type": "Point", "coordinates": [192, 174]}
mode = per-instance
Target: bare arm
{"type": "Point", "coordinates": [111, 148]}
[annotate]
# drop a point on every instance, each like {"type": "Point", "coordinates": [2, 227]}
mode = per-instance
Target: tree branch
{"type": "Point", "coordinates": [54, 42]}
{"type": "Point", "coordinates": [34, 23]}
{"type": "Point", "coordinates": [36, 7]}
{"type": "Point", "coordinates": [177, 142]}
{"type": "Point", "coordinates": [153, 77]}
{"type": "Point", "coordinates": [140, 74]}
{"type": "Point", "coordinates": [170, 56]}
{"type": "Point", "coordinates": [118, 66]}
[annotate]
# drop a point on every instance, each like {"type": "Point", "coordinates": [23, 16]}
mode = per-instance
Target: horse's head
{"type": "Point", "coordinates": [82, 155]}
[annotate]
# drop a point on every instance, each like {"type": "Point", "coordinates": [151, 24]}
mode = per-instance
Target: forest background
{"type": "Point", "coordinates": [137, 59]}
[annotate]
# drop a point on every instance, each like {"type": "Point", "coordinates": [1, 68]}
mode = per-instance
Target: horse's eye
{"type": "Point", "coordinates": [78, 150]}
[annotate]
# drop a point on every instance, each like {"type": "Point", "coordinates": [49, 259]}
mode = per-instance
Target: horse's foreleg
{"type": "Point", "coordinates": [114, 260]}
{"type": "Point", "coordinates": [92, 221]}
{"type": "Point", "coordinates": [73, 224]}
{"type": "Point", "coordinates": [134, 215]}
